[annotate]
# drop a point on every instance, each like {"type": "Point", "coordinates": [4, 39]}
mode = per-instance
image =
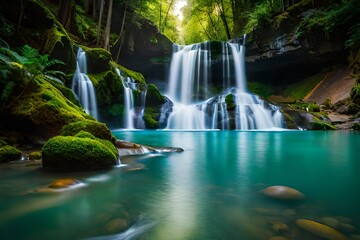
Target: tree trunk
{"type": "Point", "coordinates": [21, 15]}
{"type": "Point", "coordinates": [108, 26]}
{"type": "Point", "coordinates": [121, 34]}
{"type": "Point", "coordinates": [223, 18]}
{"type": "Point", "coordinates": [212, 23]}
{"type": "Point", "coordinates": [95, 9]}
{"type": "Point", "coordinates": [99, 23]}
{"type": "Point", "coordinates": [202, 26]}
{"type": "Point", "coordinates": [87, 6]}
{"type": "Point", "coordinates": [65, 13]}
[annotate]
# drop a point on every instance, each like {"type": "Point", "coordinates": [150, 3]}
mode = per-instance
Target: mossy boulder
{"type": "Point", "coordinates": [97, 129]}
{"type": "Point", "coordinates": [77, 153]}
{"type": "Point", "coordinates": [44, 110]}
{"type": "Point", "coordinates": [98, 60]}
{"type": "Point", "coordinates": [37, 155]}
{"type": "Point", "coordinates": [230, 102]}
{"type": "Point", "coordinates": [9, 153]}
{"type": "Point", "coordinates": [153, 96]}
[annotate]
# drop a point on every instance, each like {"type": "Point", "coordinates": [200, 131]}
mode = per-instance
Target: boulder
{"type": "Point", "coordinates": [320, 230]}
{"type": "Point", "coordinates": [78, 153]}
{"type": "Point", "coordinates": [64, 183]}
{"type": "Point", "coordinates": [283, 193]}
{"type": "Point", "coordinates": [9, 153]}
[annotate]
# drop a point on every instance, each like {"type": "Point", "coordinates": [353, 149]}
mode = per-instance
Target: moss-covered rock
{"type": "Point", "coordinates": [98, 60]}
{"type": "Point", "coordinates": [138, 77]}
{"type": "Point", "coordinates": [151, 120]}
{"type": "Point", "coordinates": [97, 129]}
{"type": "Point", "coordinates": [322, 125]}
{"type": "Point", "coordinates": [37, 155]}
{"type": "Point", "coordinates": [9, 153]}
{"type": "Point", "coordinates": [153, 96]}
{"type": "Point", "coordinates": [43, 109]}
{"type": "Point", "coordinates": [230, 102]}
{"type": "Point", "coordinates": [77, 153]}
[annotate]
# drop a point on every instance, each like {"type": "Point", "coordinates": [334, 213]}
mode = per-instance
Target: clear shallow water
{"type": "Point", "coordinates": [209, 191]}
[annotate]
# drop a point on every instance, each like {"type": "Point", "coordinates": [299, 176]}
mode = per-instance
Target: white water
{"type": "Point", "coordinates": [128, 84]}
{"type": "Point", "coordinates": [82, 85]}
{"type": "Point", "coordinates": [190, 82]}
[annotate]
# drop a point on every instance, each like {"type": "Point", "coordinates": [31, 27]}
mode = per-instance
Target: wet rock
{"type": "Point", "coordinates": [117, 225]}
{"type": "Point", "coordinates": [320, 230]}
{"type": "Point", "coordinates": [64, 183]}
{"type": "Point", "coordinates": [283, 193]}
{"type": "Point", "coordinates": [129, 148]}
{"type": "Point", "coordinates": [279, 227]}
{"type": "Point", "coordinates": [278, 238]}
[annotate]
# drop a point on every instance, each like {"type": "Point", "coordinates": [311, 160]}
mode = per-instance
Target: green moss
{"type": "Point", "coordinates": [151, 121]}
{"type": "Point", "coordinates": [98, 60]}
{"type": "Point", "coordinates": [74, 153]}
{"type": "Point", "coordinates": [9, 153]}
{"type": "Point", "coordinates": [260, 89]}
{"type": "Point", "coordinates": [109, 88]}
{"type": "Point", "coordinates": [37, 155]}
{"type": "Point", "coordinates": [46, 106]}
{"type": "Point", "coordinates": [3, 143]}
{"type": "Point", "coordinates": [322, 125]}
{"type": "Point", "coordinates": [138, 77]}
{"type": "Point", "coordinates": [309, 107]}
{"type": "Point", "coordinates": [289, 121]}
{"type": "Point", "coordinates": [300, 89]}
{"type": "Point", "coordinates": [230, 102]}
{"type": "Point", "coordinates": [356, 126]}
{"type": "Point", "coordinates": [153, 96]}
{"type": "Point", "coordinates": [97, 129]}
{"type": "Point", "coordinates": [108, 144]}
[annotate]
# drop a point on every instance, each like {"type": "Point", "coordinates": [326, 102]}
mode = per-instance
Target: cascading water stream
{"type": "Point", "coordinates": [83, 87]}
{"type": "Point", "coordinates": [191, 80]}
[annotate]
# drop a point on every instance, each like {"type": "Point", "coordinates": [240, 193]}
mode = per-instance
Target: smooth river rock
{"type": "Point", "coordinates": [64, 183]}
{"type": "Point", "coordinates": [320, 230]}
{"type": "Point", "coordinates": [283, 192]}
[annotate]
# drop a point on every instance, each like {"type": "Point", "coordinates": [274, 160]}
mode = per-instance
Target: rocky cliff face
{"type": "Point", "coordinates": [280, 56]}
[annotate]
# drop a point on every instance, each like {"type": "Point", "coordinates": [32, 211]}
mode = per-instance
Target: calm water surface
{"type": "Point", "coordinates": [209, 191]}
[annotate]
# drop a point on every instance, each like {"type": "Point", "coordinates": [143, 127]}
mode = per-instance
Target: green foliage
{"type": "Point", "coordinates": [9, 153]}
{"type": "Point", "coordinates": [75, 153]}
{"type": "Point", "coordinates": [261, 14]}
{"type": "Point", "coordinates": [309, 107]}
{"type": "Point", "coordinates": [356, 126]}
{"type": "Point", "coordinates": [85, 26]}
{"type": "Point", "coordinates": [339, 14]}
{"type": "Point", "coordinates": [7, 29]}
{"type": "Point", "coordinates": [355, 94]}
{"type": "Point", "coordinates": [260, 89]}
{"type": "Point", "coordinates": [3, 143]}
{"type": "Point", "coordinates": [97, 129]}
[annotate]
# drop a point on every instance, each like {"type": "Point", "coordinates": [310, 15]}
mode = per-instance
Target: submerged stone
{"type": "Point", "coordinates": [64, 183]}
{"type": "Point", "coordinates": [320, 230]}
{"type": "Point", "coordinates": [283, 193]}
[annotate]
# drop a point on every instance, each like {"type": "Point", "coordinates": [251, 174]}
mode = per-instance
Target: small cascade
{"type": "Point", "coordinates": [129, 85]}
{"type": "Point", "coordinates": [195, 71]}
{"type": "Point", "coordinates": [82, 85]}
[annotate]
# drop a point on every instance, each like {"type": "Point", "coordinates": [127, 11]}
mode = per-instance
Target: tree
{"type": "Point", "coordinates": [108, 26]}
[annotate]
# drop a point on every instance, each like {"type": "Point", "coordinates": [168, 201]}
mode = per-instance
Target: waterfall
{"type": "Point", "coordinates": [129, 85]}
{"type": "Point", "coordinates": [82, 85]}
{"type": "Point", "coordinates": [195, 71]}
